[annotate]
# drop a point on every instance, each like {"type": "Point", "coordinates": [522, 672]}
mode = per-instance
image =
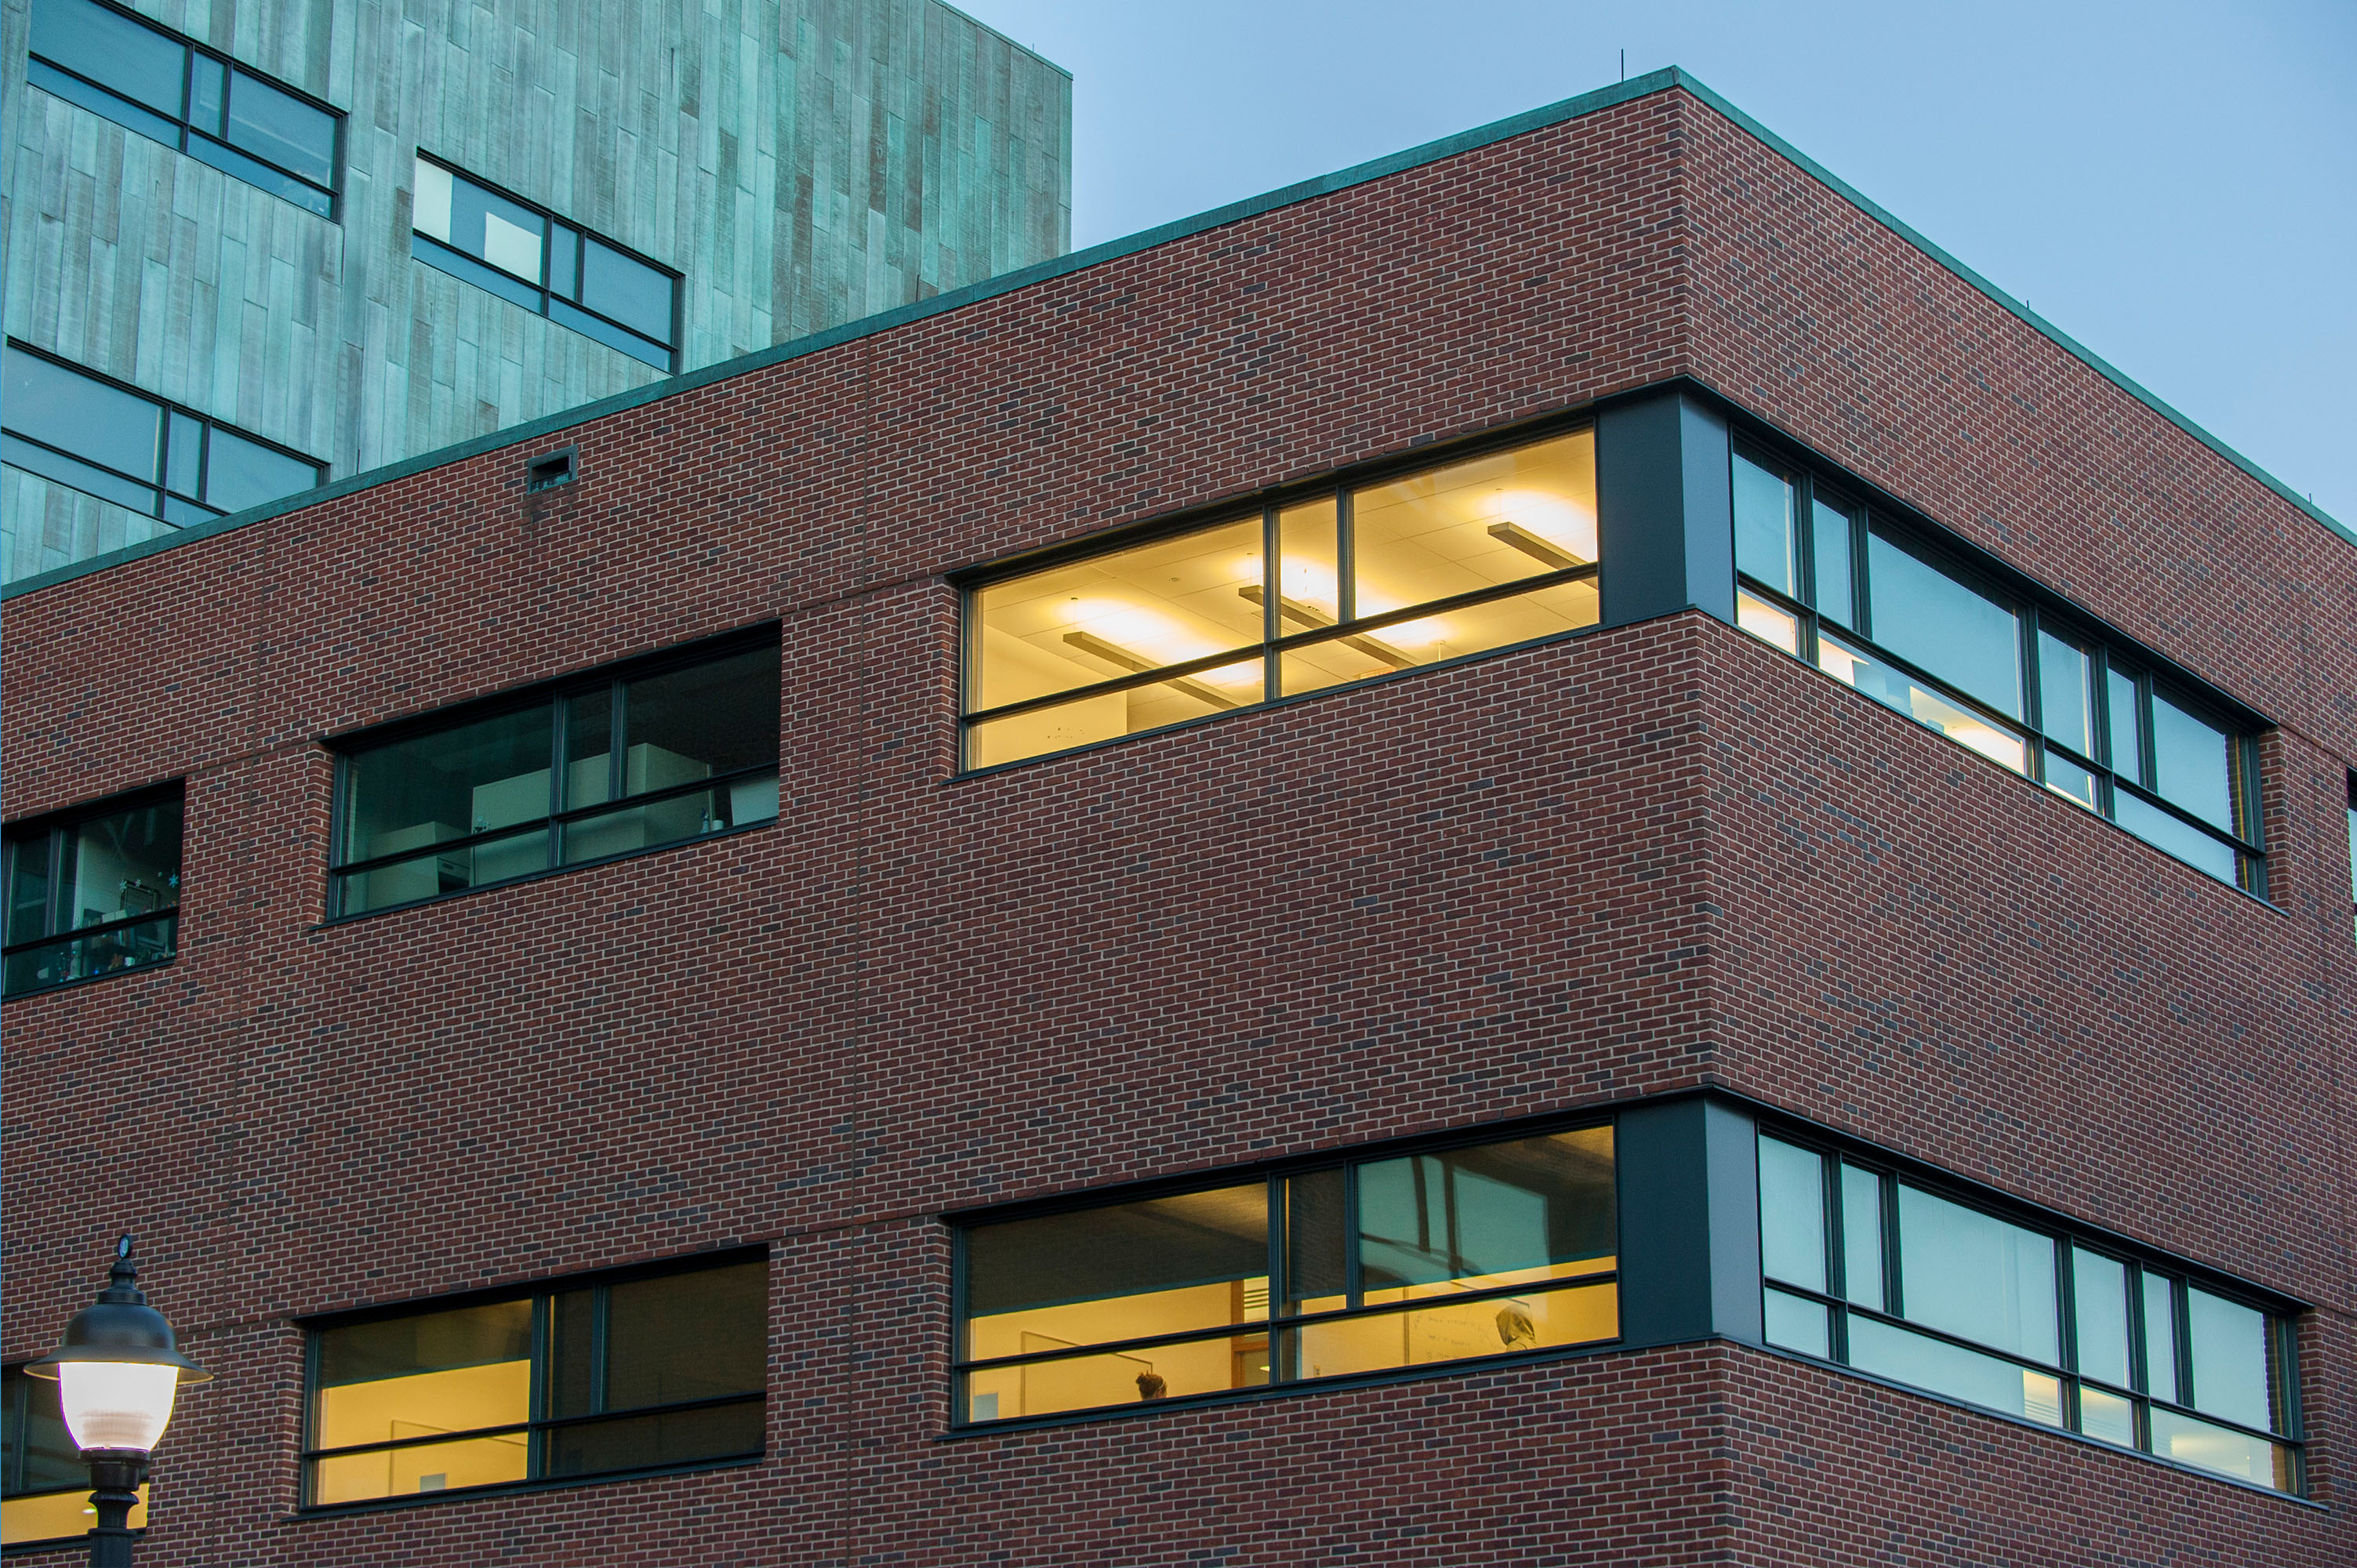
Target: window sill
{"type": "Point", "coordinates": [513, 1488]}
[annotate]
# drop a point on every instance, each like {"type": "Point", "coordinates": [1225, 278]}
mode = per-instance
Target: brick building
{"type": "Point", "coordinates": [1551, 851]}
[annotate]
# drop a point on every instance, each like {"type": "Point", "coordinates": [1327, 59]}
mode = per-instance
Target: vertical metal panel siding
{"type": "Point", "coordinates": [803, 163]}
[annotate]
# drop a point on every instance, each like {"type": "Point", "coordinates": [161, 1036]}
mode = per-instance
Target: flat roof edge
{"type": "Point", "coordinates": [1147, 239]}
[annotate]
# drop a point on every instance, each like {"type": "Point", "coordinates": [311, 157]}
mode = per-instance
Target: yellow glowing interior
{"type": "Point", "coordinates": [1766, 622]}
{"type": "Point", "coordinates": [424, 1405]}
{"type": "Point", "coordinates": [1454, 1331]}
{"type": "Point", "coordinates": [1109, 1318]}
{"type": "Point", "coordinates": [1893, 690]}
{"type": "Point", "coordinates": [1475, 524]}
{"type": "Point", "coordinates": [56, 1516]}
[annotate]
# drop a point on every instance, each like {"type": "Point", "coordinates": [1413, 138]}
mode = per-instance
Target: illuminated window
{"type": "Point", "coordinates": [93, 892]}
{"type": "Point", "coordinates": [607, 765]}
{"type": "Point", "coordinates": [1994, 672]}
{"type": "Point", "coordinates": [1369, 1266]}
{"type": "Point", "coordinates": [524, 254]}
{"type": "Point", "coordinates": [640, 1373]}
{"type": "Point", "coordinates": [44, 1485]}
{"type": "Point", "coordinates": [178, 93]}
{"type": "Point", "coordinates": [1459, 559]}
{"type": "Point", "coordinates": [1871, 1270]}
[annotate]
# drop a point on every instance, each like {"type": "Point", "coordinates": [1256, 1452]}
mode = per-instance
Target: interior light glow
{"type": "Point", "coordinates": [116, 1405]}
{"type": "Point", "coordinates": [1551, 517]}
{"type": "Point", "coordinates": [1138, 631]}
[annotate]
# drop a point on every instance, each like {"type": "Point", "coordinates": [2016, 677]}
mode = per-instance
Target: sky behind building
{"type": "Point", "coordinates": [2171, 182]}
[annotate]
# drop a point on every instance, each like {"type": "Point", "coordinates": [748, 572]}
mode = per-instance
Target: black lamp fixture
{"type": "Point", "coordinates": [117, 1370]}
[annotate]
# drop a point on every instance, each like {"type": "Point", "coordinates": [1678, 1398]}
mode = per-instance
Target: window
{"type": "Point", "coordinates": [1371, 579]}
{"type": "Point", "coordinates": [103, 439]}
{"type": "Point", "coordinates": [184, 96]}
{"type": "Point", "coordinates": [92, 893]}
{"type": "Point", "coordinates": [1377, 1264]}
{"type": "Point", "coordinates": [2353, 843]}
{"type": "Point", "coordinates": [524, 253]}
{"type": "Point", "coordinates": [44, 1485]}
{"type": "Point", "coordinates": [1872, 1270]}
{"type": "Point", "coordinates": [2035, 694]}
{"type": "Point", "coordinates": [610, 764]}
{"type": "Point", "coordinates": [638, 1373]}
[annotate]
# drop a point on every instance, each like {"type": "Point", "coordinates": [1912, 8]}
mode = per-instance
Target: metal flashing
{"type": "Point", "coordinates": [1514, 125]}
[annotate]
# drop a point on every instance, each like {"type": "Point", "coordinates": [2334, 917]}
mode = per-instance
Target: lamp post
{"type": "Point", "coordinates": [117, 1370]}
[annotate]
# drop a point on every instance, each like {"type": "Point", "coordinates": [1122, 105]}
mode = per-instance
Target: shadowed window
{"type": "Point", "coordinates": [91, 893]}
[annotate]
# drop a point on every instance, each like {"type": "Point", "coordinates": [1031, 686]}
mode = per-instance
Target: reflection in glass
{"type": "Point", "coordinates": [1931, 619]}
{"type": "Point", "coordinates": [2107, 1416]}
{"type": "Point", "coordinates": [1797, 1323]}
{"type": "Point", "coordinates": [2160, 1338]}
{"type": "Point", "coordinates": [2228, 1342]}
{"type": "Point", "coordinates": [1862, 1237]}
{"type": "Point", "coordinates": [1975, 1277]}
{"type": "Point", "coordinates": [1792, 1214]}
{"type": "Point", "coordinates": [1766, 622]}
{"type": "Point", "coordinates": [2192, 1442]}
{"type": "Point", "coordinates": [1889, 687]}
{"type": "Point", "coordinates": [1763, 527]}
{"type": "Point", "coordinates": [2174, 837]}
{"type": "Point", "coordinates": [1893, 1352]}
{"type": "Point", "coordinates": [2069, 780]}
{"type": "Point", "coordinates": [2099, 1291]}
{"type": "Point", "coordinates": [2192, 764]}
{"type": "Point", "coordinates": [1836, 591]}
{"type": "Point", "coordinates": [1317, 1243]}
{"type": "Point", "coordinates": [1497, 1214]}
{"type": "Point", "coordinates": [1474, 524]}
{"type": "Point", "coordinates": [2126, 753]}
{"type": "Point", "coordinates": [2066, 693]}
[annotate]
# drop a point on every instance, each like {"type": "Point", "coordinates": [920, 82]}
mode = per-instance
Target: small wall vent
{"type": "Point", "coordinates": [558, 467]}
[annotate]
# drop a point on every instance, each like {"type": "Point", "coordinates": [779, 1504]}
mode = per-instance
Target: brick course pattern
{"type": "Point", "coordinates": [1645, 859]}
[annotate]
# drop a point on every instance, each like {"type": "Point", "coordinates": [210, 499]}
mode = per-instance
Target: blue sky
{"type": "Point", "coordinates": [2173, 184]}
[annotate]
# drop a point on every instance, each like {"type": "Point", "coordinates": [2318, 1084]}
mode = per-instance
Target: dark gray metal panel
{"type": "Point", "coordinates": [1665, 1244]}
{"type": "Point", "coordinates": [1732, 1140]}
{"type": "Point", "coordinates": [1662, 507]}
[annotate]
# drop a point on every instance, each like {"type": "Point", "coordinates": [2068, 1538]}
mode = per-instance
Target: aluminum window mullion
{"type": "Point", "coordinates": [1353, 1277]}
{"type": "Point", "coordinates": [1346, 557]}
{"type": "Point", "coordinates": [599, 1329]}
{"type": "Point", "coordinates": [1272, 608]}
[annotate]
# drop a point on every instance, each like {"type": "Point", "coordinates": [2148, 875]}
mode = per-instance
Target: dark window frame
{"type": "Point", "coordinates": [158, 483]}
{"type": "Point", "coordinates": [57, 827]}
{"type": "Point", "coordinates": [445, 257]}
{"type": "Point", "coordinates": [540, 1292]}
{"type": "Point", "coordinates": [2034, 610]}
{"type": "Point", "coordinates": [1274, 643]}
{"type": "Point", "coordinates": [544, 694]}
{"type": "Point", "coordinates": [332, 191]}
{"type": "Point", "coordinates": [1272, 1172]}
{"type": "Point", "coordinates": [1836, 1153]}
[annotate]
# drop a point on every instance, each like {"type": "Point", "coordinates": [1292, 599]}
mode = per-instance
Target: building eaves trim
{"type": "Point", "coordinates": [1145, 240]}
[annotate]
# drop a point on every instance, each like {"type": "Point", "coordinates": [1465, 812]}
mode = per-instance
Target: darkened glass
{"type": "Point", "coordinates": [2192, 764]}
{"type": "Point", "coordinates": [1317, 1243]}
{"type": "Point", "coordinates": [643, 1441]}
{"type": "Point", "coordinates": [488, 226]}
{"type": "Point", "coordinates": [1959, 634]}
{"type": "Point", "coordinates": [185, 456]}
{"type": "Point", "coordinates": [589, 747]}
{"type": "Point", "coordinates": [705, 719]}
{"type": "Point", "coordinates": [29, 888]}
{"type": "Point", "coordinates": [1125, 1254]}
{"type": "Point", "coordinates": [1836, 593]}
{"type": "Point", "coordinates": [1763, 526]}
{"type": "Point", "coordinates": [41, 1453]}
{"type": "Point", "coordinates": [208, 92]}
{"type": "Point", "coordinates": [425, 1342]}
{"type": "Point", "coordinates": [87, 417]}
{"type": "Point", "coordinates": [1976, 1276]}
{"type": "Point", "coordinates": [1792, 1214]}
{"type": "Point", "coordinates": [240, 473]}
{"type": "Point", "coordinates": [281, 128]}
{"type": "Point", "coordinates": [630, 291]}
{"type": "Point", "coordinates": [2229, 1346]}
{"type": "Point", "coordinates": [572, 1354]}
{"type": "Point", "coordinates": [1487, 1213]}
{"type": "Point", "coordinates": [678, 1338]}
{"type": "Point", "coordinates": [563, 261]}
{"type": "Point", "coordinates": [112, 50]}
{"type": "Point", "coordinates": [412, 793]}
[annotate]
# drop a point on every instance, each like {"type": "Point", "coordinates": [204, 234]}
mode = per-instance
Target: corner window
{"type": "Point", "coordinates": [178, 93]}
{"type": "Point", "coordinates": [643, 1374]}
{"type": "Point", "coordinates": [556, 269]}
{"type": "Point", "coordinates": [606, 766]}
{"type": "Point", "coordinates": [1370, 1266]}
{"type": "Point", "coordinates": [44, 1485]}
{"type": "Point", "coordinates": [91, 893]}
{"type": "Point", "coordinates": [1997, 673]}
{"type": "Point", "coordinates": [1363, 581]}
{"type": "Point", "coordinates": [122, 445]}
{"type": "Point", "coordinates": [1871, 1270]}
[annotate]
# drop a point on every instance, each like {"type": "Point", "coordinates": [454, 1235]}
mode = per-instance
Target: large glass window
{"type": "Point", "coordinates": [1366, 1266]}
{"type": "Point", "coordinates": [1992, 670]}
{"type": "Point", "coordinates": [524, 254]}
{"type": "Point", "coordinates": [637, 1374]}
{"type": "Point", "coordinates": [606, 766]}
{"type": "Point", "coordinates": [178, 93]}
{"type": "Point", "coordinates": [44, 1485]}
{"type": "Point", "coordinates": [106, 440]}
{"type": "Point", "coordinates": [1869, 1269]}
{"type": "Point", "coordinates": [1434, 564]}
{"type": "Point", "coordinates": [91, 893]}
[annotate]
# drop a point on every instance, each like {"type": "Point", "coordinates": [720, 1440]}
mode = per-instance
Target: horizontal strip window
{"type": "Point", "coordinates": [174, 90]}
{"type": "Point", "coordinates": [1366, 1266]}
{"type": "Point", "coordinates": [1485, 553]}
{"type": "Point", "coordinates": [91, 894]}
{"type": "Point", "coordinates": [44, 1485]}
{"type": "Point", "coordinates": [1858, 595]}
{"type": "Point", "coordinates": [528, 254]}
{"type": "Point", "coordinates": [602, 767]}
{"type": "Point", "coordinates": [646, 1373]}
{"type": "Point", "coordinates": [2353, 843]}
{"type": "Point", "coordinates": [96, 436]}
{"type": "Point", "coordinates": [1871, 1270]}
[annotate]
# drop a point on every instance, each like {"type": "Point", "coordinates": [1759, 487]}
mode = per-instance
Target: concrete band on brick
{"type": "Point", "coordinates": [1655, 858]}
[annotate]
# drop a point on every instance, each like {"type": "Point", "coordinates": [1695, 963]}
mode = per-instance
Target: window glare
{"type": "Point", "coordinates": [1763, 526]}
{"type": "Point", "coordinates": [2192, 764]}
{"type": "Point", "coordinates": [1956, 633]}
{"type": "Point", "coordinates": [1975, 1277]}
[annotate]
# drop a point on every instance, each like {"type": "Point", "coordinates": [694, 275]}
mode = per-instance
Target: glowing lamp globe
{"type": "Point", "coordinates": [118, 1368]}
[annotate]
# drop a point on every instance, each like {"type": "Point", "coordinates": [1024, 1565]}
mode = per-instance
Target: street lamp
{"type": "Point", "coordinates": [117, 1370]}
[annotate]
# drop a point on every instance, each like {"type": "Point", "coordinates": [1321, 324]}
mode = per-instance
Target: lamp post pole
{"type": "Point", "coordinates": [117, 1370]}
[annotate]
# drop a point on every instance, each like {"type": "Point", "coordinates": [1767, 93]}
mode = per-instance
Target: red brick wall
{"type": "Point", "coordinates": [1653, 857]}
